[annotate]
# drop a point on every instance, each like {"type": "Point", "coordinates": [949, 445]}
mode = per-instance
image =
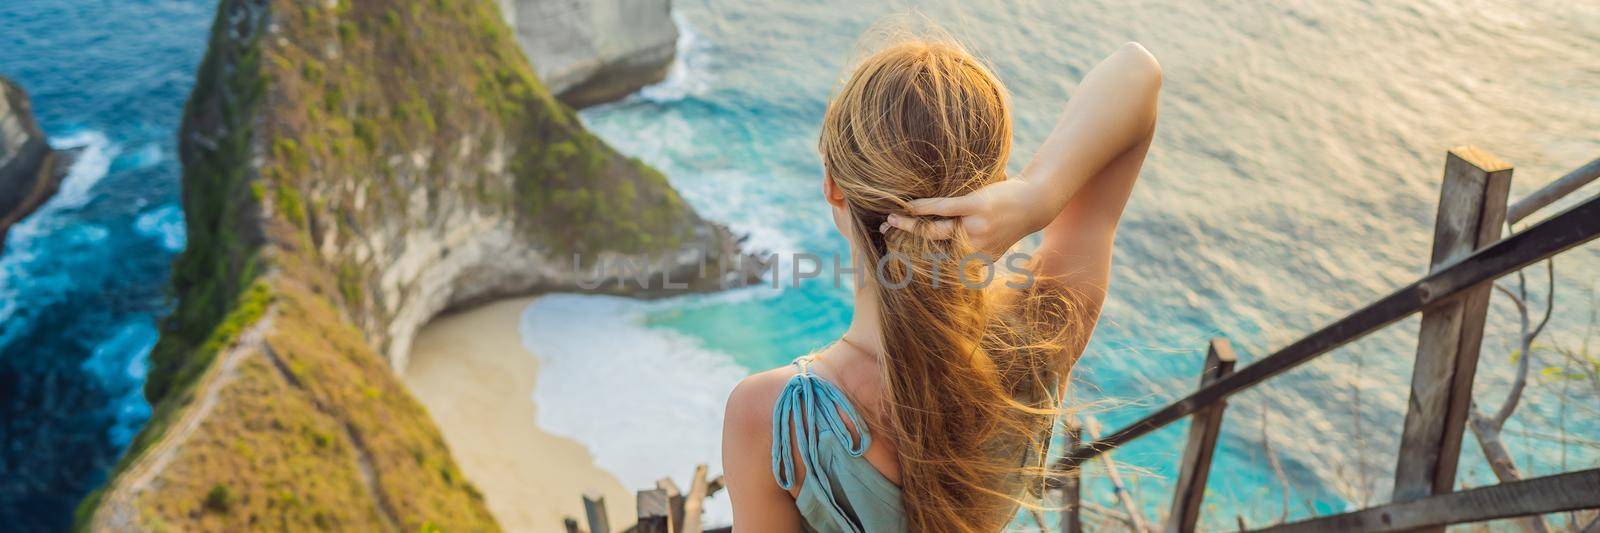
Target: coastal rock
{"type": "Point", "coordinates": [29, 170]}
{"type": "Point", "coordinates": [591, 52]}
{"type": "Point", "coordinates": [350, 170]}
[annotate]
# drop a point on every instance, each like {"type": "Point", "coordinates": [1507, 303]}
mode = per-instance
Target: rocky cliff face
{"type": "Point", "coordinates": [594, 51]}
{"type": "Point", "coordinates": [352, 169]}
{"type": "Point", "coordinates": [29, 169]}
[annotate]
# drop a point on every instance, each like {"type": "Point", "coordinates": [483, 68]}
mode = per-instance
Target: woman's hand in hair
{"type": "Point", "coordinates": [1078, 180]}
{"type": "Point", "coordinates": [993, 218]}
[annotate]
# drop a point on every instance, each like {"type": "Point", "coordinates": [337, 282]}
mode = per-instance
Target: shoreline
{"type": "Point", "coordinates": [470, 370]}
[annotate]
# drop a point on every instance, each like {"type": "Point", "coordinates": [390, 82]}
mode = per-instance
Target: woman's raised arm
{"type": "Point", "coordinates": [1076, 185]}
{"type": "Point", "coordinates": [1086, 168]}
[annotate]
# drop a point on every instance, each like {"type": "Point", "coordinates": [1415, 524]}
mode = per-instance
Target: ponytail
{"type": "Point", "coordinates": [971, 411]}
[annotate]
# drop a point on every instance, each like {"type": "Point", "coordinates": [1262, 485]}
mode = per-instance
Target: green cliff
{"type": "Point", "coordinates": [351, 169]}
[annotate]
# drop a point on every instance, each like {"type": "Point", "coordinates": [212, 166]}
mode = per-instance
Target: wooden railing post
{"type": "Point", "coordinates": [594, 509]}
{"type": "Point", "coordinates": [655, 512]}
{"type": "Point", "coordinates": [694, 503]}
{"type": "Point", "coordinates": [1204, 427]}
{"type": "Point", "coordinates": [674, 502]}
{"type": "Point", "coordinates": [1472, 209]}
{"type": "Point", "coordinates": [1071, 489]}
{"type": "Point", "coordinates": [1135, 521]}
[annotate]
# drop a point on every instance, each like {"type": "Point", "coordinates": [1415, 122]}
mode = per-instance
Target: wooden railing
{"type": "Point", "coordinates": [1468, 255]}
{"type": "Point", "coordinates": [664, 509]}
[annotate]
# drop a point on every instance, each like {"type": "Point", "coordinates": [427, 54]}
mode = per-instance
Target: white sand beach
{"type": "Point", "coordinates": [476, 379]}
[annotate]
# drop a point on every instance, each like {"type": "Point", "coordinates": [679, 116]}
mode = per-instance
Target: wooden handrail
{"type": "Point", "coordinates": [1552, 191]}
{"type": "Point", "coordinates": [1549, 494]}
{"type": "Point", "coordinates": [1574, 226]}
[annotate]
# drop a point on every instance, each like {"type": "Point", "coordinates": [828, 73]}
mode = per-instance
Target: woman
{"type": "Point", "coordinates": [933, 411]}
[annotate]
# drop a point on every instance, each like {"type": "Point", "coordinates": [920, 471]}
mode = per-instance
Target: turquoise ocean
{"type": "Point", "coordinates": [1293, 178]}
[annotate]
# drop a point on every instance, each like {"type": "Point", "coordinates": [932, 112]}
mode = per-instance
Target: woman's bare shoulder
{"type": "Point", "coordinates": [759, 502]}
{"type": "Point", "coordinates": [750, 404]}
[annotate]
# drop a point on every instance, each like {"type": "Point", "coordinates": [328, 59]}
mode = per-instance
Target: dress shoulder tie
{"type": "Point", "coordinates": [807, 406]}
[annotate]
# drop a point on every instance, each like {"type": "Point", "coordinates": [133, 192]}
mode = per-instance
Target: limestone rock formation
{"type": "Point", "coordinates": [590, 52]}
{"type": "Point", "coordinates": [29, 170]}
{"type": "Point", "coordinates": [351, 169]}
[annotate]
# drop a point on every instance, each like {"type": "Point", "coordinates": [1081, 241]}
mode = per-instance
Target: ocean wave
{"type": "Point", "coordinates": [611, 383]}
{"type": "Point", "coordinates": [96, 152]}
{"type": "Point", "coordinates": [740, 197]}
{"type": "Point", "coordinates": [37, 269]}
{"type": "Point", "coordinates": [119, 363]}
{"type": "Point", "coordinates": [34, 246]}
{"type": "Point", "coordinates": [682, 78]}
{"type": "Point", "coordinates": [164, 224]}
{"type": "Point", "coordinates": [148, 156]}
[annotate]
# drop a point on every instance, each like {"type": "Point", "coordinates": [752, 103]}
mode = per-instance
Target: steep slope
{"type": "Point", "coordinates": [351, 169]}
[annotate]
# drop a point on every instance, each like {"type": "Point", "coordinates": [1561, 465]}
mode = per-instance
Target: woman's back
{"type": "Point", "coordinates": [829, 448]}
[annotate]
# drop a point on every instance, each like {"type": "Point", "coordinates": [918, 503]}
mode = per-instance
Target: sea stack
{"type": "Point", "coordinates": [351, 170]}
{"type": "Point", "coordinates": [595, 51]}
{"type": "Point", "coordinates": [29, 170]}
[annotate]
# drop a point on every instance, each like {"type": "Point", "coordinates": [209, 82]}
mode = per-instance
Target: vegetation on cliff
{"type": "Point", "coordinates": [316, 132]}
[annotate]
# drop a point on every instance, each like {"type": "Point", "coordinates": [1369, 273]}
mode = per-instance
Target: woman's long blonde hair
{"type": "Point", "coordinates": [973, 374]}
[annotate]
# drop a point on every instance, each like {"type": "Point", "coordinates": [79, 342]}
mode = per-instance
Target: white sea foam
{"type": "Point", "coordinates": [731, 196]}
{"type": "Point", "coordinates": [646, 402]}
{"type": "Point", "coordinates": [28, 241]}
{"type": "Point", "coordinates": [33, 275]}
{"type": "Point", "coordinates": [148, 156]}
{"type": "Point", "coordinates": [682, 78]}
{"type": "Point", "coordinates": [93, 161]}
{"type": "Point", "coordinates": [745, 205]}
{"type": "Point", "coordinates": [671, 141]}
{"type": "Point", "coordinates": [164, 224]}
